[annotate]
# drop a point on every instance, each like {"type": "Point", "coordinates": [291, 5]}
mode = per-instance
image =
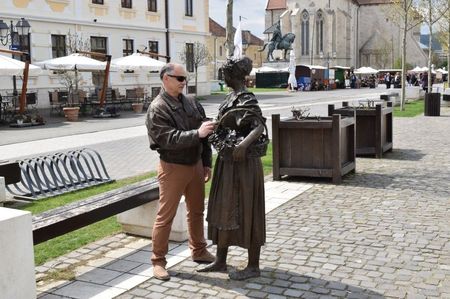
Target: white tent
{"type": "Point", "coordinates": [73, 62]}
{"type": "Point", "coordinates": [14, 67]}
{"type": "Point", "coordinates": [137, 62]}
{"type": "Point", "coordinates": [365, 70]}
{"type": "Point", "coordinates": [442, 71]}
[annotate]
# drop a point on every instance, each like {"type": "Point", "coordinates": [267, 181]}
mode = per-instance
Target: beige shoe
{"type": "Point", "coordinates": [206, 257]}
{"type": "Point", "coordinates": [159, 272]}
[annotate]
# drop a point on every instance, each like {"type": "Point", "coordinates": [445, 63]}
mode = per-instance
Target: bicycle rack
{"type": "Point", "coordinates": [59, 173]}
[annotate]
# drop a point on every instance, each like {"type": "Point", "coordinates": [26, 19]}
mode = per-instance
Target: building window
{"type": "Point", "coordinates": [220, 51]}
{"type": "Point", "coordinates": [128, 47]}
{"type": "Point", "coordinates": [58, 45]}
{"type": "Point", "coordinates": [190, 57]}
{"type": "Point", "coordinates": [152, 5]}
{"type": "Point", "coordinates": [127, 4]}
{"type": "Point", "coordinates": [153, 47]}
{"type": "Point", "coordinates": [189, 10]}
{"type": "Point", "coordinates": [97, 1]}
{"type": "Point", "coordinates": [98, 44]}
{"type": "Point", "coordinates": [319, 28]}
{"type": "Point", "coordinates": [21, 43]}
{"type": "Point", "coordinates": [305, 33]}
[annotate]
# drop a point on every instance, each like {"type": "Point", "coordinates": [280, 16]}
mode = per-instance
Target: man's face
{"type": "Point", "coordinates": [175, 81]}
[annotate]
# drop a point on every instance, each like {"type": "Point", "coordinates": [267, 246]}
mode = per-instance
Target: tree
{"type": "Point", "coordinates": [74, 42]}
{"type": "Point", "coordinates": [197, 56]}
{"type": "Point", "coordinates": [405, 14]}
{"type": "Point", "coordinates": [432, 11]}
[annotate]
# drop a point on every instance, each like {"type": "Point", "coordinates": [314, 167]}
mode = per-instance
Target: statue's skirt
{"type": "Point", "coordinates": [236, 215]}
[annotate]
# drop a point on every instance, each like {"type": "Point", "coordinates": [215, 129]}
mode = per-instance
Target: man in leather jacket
{"type": "Point", "coordinates": [178, 130]}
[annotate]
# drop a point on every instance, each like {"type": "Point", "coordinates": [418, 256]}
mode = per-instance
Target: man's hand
{"type": "Point", "coordinates": [206, 128]}
{"type": "Point", "coordinates": [207, 173]}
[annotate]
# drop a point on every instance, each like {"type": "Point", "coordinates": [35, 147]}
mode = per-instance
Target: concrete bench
{"type": "Point", "coordinates": [65, 219]}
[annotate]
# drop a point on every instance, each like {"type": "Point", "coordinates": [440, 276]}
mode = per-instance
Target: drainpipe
{"type": "Point", "coordinates": [167, 30]}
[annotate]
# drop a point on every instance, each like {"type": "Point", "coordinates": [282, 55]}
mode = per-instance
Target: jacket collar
{"type": "Point", "coordinates": [173, 102]}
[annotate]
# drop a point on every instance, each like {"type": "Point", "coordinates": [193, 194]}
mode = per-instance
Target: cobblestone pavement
{"type": "Point", "coordinates": [383, 233]}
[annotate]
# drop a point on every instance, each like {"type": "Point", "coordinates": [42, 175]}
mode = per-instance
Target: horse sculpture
{"type": "Point", "coordinates": [285, 44]}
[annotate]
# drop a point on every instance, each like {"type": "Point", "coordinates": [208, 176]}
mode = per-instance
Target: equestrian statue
{"type": "Point", "coordinates": [279, 43]}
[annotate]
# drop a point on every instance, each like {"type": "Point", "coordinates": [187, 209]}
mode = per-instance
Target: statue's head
{"type": "Point", "coordinates": [237, 69]}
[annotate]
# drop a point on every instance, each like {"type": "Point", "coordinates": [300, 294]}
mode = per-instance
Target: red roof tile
{"type": "Point", "coordinates": [276, 4]}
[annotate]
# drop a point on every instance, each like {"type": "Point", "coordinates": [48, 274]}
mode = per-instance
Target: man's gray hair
{"type": "Point", "coordinates": [168, 68]}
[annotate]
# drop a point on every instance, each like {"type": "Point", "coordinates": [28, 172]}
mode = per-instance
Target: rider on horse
{"type": "Point", "coordinates": [276, 37]}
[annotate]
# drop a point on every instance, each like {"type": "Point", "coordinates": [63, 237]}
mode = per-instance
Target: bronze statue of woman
{"type": "Point", "coordinates": [236, 214]}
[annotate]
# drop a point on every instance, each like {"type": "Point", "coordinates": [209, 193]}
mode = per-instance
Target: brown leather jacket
{"type": "Point", "coordinates": [172, 130]}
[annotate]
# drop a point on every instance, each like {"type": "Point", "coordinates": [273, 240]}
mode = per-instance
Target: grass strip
{"type": "Point", "coordinates": [251, 89]}
{"type": "Point", "coordinates": [412, 109]}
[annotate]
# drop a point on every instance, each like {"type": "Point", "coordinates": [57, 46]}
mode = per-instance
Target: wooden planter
{"type": "Point", "coordinates": [137, 107]}
{"type": "Point", "coordinates": [373, 128]}
{"type": "Point", "coordinates": [313, 148]}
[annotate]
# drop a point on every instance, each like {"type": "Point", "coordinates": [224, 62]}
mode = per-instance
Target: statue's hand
{"type": "Point", "coordinates": [239, 153]}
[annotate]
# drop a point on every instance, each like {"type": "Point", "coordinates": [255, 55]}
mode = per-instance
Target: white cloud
{"type": "Point", "coordinates": [252, 10]}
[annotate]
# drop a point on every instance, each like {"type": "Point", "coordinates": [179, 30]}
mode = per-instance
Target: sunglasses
{"type": "Point", "coordinates": [179, 78]}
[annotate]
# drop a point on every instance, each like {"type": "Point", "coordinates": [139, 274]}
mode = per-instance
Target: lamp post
{"type": "Point", "coordinates": [328, 58]}
{"type": "Point", "coordinates": [11, 34]}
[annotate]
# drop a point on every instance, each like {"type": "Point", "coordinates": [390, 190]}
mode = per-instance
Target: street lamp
{"type": "Point", "coordinates": [7, 33]}
{"type": "Point", "coordinates": [328, 58]}
{"type": "Point", "coordinates": [11, 34]}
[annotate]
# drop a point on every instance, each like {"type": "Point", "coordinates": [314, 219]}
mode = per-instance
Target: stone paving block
{"type": "Point", "coordinates": [99, 276]}
{"type": "Point", "coordinates": [81, 289]}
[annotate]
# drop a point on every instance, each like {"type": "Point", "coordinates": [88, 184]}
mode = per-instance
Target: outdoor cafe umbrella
{"type": "Point", "coordinates": [292, 66]}
{"type": "Point", "coordinates": [137, 62]}
{"type": "Point", "coordinates": [73, 62]}
{"type": "Point", "coordinates": [14, 67]}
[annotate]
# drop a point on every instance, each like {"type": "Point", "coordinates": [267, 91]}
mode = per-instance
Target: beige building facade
{"type": "Point", "coordinates": [114, 27]}
{"type": "Point", "coordinates": [350, 33]}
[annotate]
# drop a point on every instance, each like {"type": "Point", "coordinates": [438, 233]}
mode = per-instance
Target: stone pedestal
{"type": "Point", "coordinates": [17, 278]}
{"type": "Point", "coordinates": [412, 92]}
{"type": "Point", "coordinates": [2, 191]}
{"type": "Point", "coordinates": [139, 221]}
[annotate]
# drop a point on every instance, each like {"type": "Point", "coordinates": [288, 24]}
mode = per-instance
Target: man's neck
{"type": "Point", "coordinates": [174, 95]}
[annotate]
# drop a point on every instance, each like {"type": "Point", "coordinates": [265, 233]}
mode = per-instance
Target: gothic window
{"type": "Point", "coordinates": [319, 36]}
{"type": "Point", "coordinates": [305, 33]}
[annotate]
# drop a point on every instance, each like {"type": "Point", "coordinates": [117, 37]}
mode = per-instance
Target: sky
{"type": "Point", "coordinates": [252, 12]}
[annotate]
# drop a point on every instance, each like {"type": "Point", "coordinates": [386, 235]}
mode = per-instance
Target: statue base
{"type": "Point", "coordinates": [278, 64]}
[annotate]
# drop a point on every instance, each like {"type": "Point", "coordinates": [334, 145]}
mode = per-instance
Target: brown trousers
{"type": "Point", "coordinates": [176, 180]}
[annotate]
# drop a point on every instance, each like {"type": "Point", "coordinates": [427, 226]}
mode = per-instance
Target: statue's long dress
{"type": "Point", "coordinates": [236, 214]}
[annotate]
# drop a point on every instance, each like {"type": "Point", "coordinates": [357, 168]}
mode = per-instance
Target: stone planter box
{"type": "Point", "coordinates": [313, 148]}
{"type": "Point", "coordinates": [373, 127]}
{"type": "Point", "coordinates": [432, 104]}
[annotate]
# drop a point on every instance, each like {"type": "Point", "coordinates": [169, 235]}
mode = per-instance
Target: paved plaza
{"type": "Point", "coordinates": [383, 233]}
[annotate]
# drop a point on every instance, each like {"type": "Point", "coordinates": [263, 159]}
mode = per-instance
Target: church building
{"type": "Point", "coordinates": [351, 33]}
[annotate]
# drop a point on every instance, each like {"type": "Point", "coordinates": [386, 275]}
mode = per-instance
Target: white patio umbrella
{"type": "Point", "coordinates": [292, 66]}
{"type": "Point", "coordinates": [73, 62]}
{"type": "Point", "coordinates": [137, 62]}
{"type": "Point", "coordinates": [14, 67]}
{"type": "Point", "coordinates": [365, 70]}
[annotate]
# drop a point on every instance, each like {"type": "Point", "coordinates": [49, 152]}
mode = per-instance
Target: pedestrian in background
{"type": "Point", "coordinates": [178, 129]}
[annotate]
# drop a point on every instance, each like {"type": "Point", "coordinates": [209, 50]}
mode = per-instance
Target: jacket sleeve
{"type": "Point", "coordinates": [206, 146]}
{"type": "Point", "coordinates": [163, 133]}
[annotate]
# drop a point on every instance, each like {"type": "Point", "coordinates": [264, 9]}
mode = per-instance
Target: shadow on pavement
{"type": "Point", "coordinates": [279, 282]}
